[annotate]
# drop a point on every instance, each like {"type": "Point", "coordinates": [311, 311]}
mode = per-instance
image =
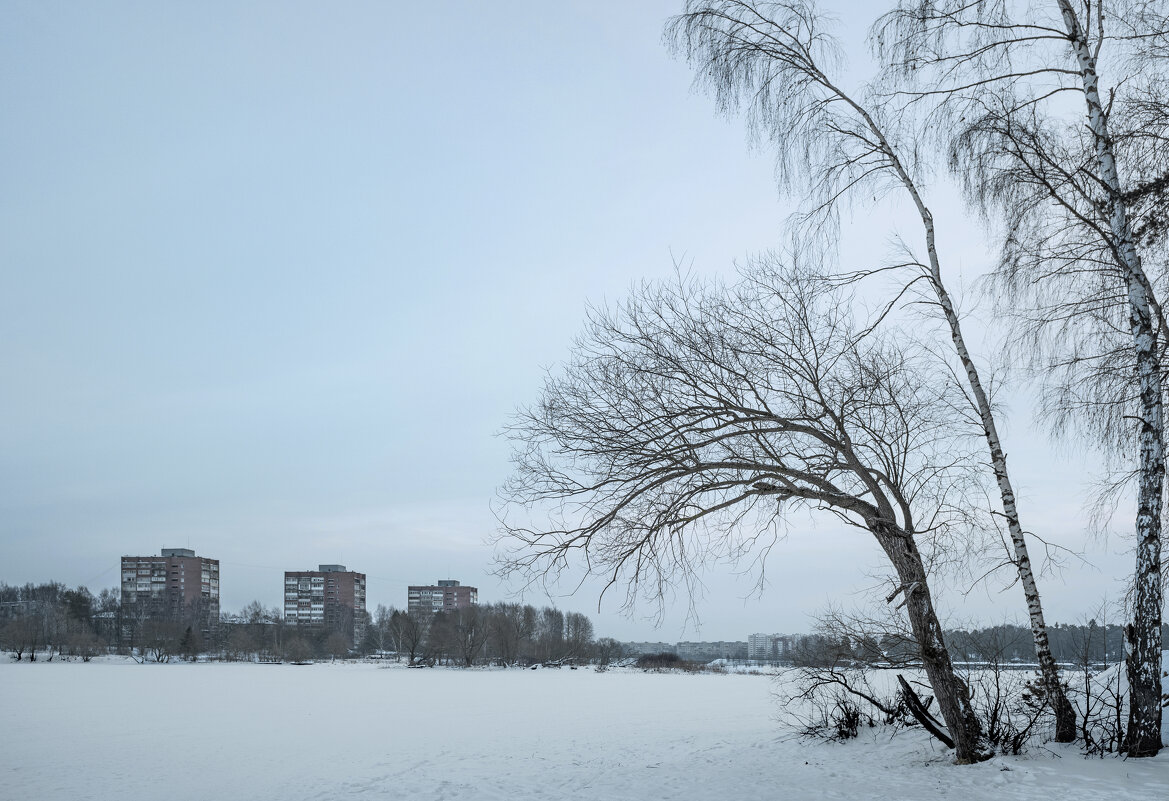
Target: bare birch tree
{"type": "Point", "coordinates": [691, 422]}
{"type": "Point", "coordinates": [776, 60]}
{"type": "Point", "coordinates": [1072, 197]}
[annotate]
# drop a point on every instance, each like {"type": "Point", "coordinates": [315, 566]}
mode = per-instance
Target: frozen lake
{"type": "Point", "coordinates": [119, 730]}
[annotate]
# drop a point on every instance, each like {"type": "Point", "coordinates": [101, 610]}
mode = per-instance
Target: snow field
{"type": "Point", "coordinates": [119, 730]}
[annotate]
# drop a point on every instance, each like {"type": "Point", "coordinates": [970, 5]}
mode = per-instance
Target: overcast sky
{"type": "Point", "coordinates": [274, 275]}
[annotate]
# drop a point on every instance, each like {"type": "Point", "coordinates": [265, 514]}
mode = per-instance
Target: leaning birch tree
{"type": "Point", "coordinates": [1002, 79]}
{"type": "Point", "coordinates": [691, 421]}
{"type": "Point", "coordinates": [777, 60]}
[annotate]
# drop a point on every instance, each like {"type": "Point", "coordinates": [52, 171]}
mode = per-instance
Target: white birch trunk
{"type": "Point", "coordinates": [1144, 645]}
{"type": "Point", "coordinates": [1049, 670]}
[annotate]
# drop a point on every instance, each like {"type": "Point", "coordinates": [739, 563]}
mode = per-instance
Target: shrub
{"type": "Point", "coordinates": [662, 661]}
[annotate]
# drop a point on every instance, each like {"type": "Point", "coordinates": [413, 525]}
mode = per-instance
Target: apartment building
{"type": "Point", "coordinates": [644, 648]}
{"type": "Point", "coordinates": [710, 650]}
{"type": "Point", "coordinates": [770, 646]}
{"type": "Point", "coordinates": [176, 585]}
{"type": "Point", "coordinates": [329, 597]}
{"type": "Point", "coordinates": [690, 651]}
{"type": "Point", "coordinates": [445, 596]}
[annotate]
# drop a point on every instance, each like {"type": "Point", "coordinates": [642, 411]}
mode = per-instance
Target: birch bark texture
{"type": "Point", "coordinates": [1144, 646]}
{"type": "Point", "coordinates": [994, 78]}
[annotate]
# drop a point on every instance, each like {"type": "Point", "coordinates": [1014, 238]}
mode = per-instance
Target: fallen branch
{"type": "Point", "coordinates": [922, 715]}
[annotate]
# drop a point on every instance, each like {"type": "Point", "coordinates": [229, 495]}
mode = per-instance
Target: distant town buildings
{"type": "Point", "coordinates": [762, 647]}
{"type": "Point", "coordinates": [708, 651]}
{"type": "Point", "coordinates": [329, 597]}
{"type": "Point", "coordinates": [445, 596]}
{"type": "Point", "coordinates": [176, 585]}
{"type": "Point", "coordinates": [643, 648]}
{"type": "Point", "coordinates": [690, 651]}
{"type": "Point", "coordinates": [180, 587]}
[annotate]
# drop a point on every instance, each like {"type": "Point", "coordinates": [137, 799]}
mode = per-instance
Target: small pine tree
{"type": "Point", "coordinates": [188, 647]}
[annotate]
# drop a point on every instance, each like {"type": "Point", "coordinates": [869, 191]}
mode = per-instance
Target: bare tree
{"type": "Point", "coordinates": [606, 650]}
{"type": "Point", "coordinates": [297, 650]}
{"type": "Point", "coordinates": [470, 629]}
{"type": "Point", "coordinates": [512, 626]}
{"type": "Point", "coordinates": [393, 623]}
{"type": "Point", "coordinates": [108, 616]}
{"type": "Point", "coordinates": [337, 645]}
{"type": "Point", "coordinates": [777, 59]}
{"type": "Point", "coordinates": [239, 644]}
{"type": "Point", "coordinates": [440, 638]}
{"type": "Point", "coordinates": [21, 634]}
{"type": "Point", "coordinates": [691, 421]}
{"type": "Point", "coordinates": [51, 618]}
{"type": "Point", "coordinates": [878, 638]}
{"type": "Point", "coordinates": [160, 639]}
{"type": "Point", "coordinates": [578, 636]}
{"type": "Point", "coordinates": [378, 633]}
{"type": "Point", "coordinates": [550, 646]}
{"type": "Point", "coordinates": [1076, 199]}
{"type": "Point", "coordinates": [84, 644]}
{"type": "Point", "coordinates": [412, 630]}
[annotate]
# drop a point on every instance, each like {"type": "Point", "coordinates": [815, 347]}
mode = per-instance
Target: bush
{"type": "Point", "coordinates": [662, 661]}
{"type": "Point", "coordinates": [1011, 707]}
{"type": "Point", "coordinates": [836, 703]}
{"type": "Point", "coordinates": [845, 718]}
{"type": "Point", "coordinates": [297, 651]}
{"type": "Point", "coordinates": [84, 644]}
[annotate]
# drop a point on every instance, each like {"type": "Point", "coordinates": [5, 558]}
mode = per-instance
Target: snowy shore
{"type": "Point", "coordinates": [116, 729]}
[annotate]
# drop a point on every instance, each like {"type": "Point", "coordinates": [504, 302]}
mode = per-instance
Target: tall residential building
{"type": "Point", "coordinates": [770, 646]}
{"type": "Point", "coordinates": [446, 596]}
{"type": "Point", "coordinates": [178, 585]}
{"type": "Point", "coordinates": [329, 597]}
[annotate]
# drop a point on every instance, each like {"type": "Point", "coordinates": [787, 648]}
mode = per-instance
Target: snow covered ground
{"type": "Point", "coordinates": [119, 730]}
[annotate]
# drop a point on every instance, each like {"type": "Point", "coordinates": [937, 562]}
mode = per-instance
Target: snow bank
{"type": "Point", "coordinates": [115, 730]}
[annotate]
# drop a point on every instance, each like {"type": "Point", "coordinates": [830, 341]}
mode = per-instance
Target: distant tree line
{"type": "Point", "coordinates": [501, 634]}
{"type": "Point", "coordinates": [45, 621]}
{"type": "Point", "coordinates": [48, 620]}
{"type": "Point", "coordinates": [1080, 645]}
